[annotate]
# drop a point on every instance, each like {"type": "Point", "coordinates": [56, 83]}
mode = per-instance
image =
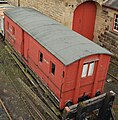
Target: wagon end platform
{"type": "Point", "coordinates": [102, 105]}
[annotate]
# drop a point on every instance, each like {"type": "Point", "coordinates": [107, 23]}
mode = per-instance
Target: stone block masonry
{"type": "Point", "coordinates": [104, 33]}
{"type": "Point", "coordinates": [60, 10]}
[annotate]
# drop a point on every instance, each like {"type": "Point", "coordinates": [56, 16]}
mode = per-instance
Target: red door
{"type": "Point", "coordinates": [85, 78]}
{"type": "Point", "coordinates": [84, 19]}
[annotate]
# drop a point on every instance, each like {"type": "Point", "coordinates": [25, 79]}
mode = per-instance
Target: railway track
{"type": "Point", "coordinates": [113, 70]}
{"type": "Point", "coordinates": [5, 110]}
{"type": "Point", "coordinates": [112, 76]}
{"type": "Point", "coordinates": [26, 100]}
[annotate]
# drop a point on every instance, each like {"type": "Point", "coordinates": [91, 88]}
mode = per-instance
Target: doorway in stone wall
{"type": "Point", "coordinates": [84, 19]}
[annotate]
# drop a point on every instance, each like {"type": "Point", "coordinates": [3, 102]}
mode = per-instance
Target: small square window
{"type": "Point", "coordinates": [53, 68]}
{"type": "Point", "coordinates": [41, 57]}
{"type": "Point", "coordinates": [13, 30]}
{"type": "Point", "coordinates": [7, 25]}
{"type": "Point", "coordinates": [115, 26]}
{"type": "Point", "coordinates": [63, 74]}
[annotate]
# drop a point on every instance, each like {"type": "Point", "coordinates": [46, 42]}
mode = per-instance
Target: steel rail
{"type": "Point", "coordinates": [12, 82]}
{"type": "Point", "coordinates": [116, 64]}
{"type": "Point", "coordinates": [9, 116]}
{"type": "Point", "coordinates": [34, 107]}
{"type": "Point", "coordinates": [112, 76]}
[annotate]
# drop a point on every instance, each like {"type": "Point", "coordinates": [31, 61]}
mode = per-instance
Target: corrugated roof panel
{"type": "Point", "coordinates": [64, 44]}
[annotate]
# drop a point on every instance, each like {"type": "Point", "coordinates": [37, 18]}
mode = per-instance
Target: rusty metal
{"type": "Point", "coordinates": [7, 112]}
{"type": "Point", "coordinates": [112, 76]}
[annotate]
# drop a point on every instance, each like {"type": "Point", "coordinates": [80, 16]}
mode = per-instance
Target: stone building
{"type": "Point", "coordinates": [93, 19]}
{"type": "Point", "coordinates": [66, 12]}
{"type": "Point", "coordinates": [106, 27]}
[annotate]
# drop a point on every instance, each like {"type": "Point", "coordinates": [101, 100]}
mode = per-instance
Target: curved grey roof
{"type": "Point", "coordinates": [64, 44]}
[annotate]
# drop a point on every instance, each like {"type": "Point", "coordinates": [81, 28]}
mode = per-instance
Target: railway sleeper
{"type": "Point", "coordinates": [5, 109]}
{"type": "Point", "coordinates": [36, 103]}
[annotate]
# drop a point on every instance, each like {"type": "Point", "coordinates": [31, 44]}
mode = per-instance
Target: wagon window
{"type": "Point", "coordinates": [7, 25]}
{"type": "Point", "coordinates": [13, 30]}
{"type": "Point", "coordinates": [91, 68]}
{"type": "Point", "coordinates": [115, 27]}
{"type": "Point", "coordinates": [63, 74]}
{"type": "Point", "coordinates": [53, 68]}
{"type": "Point", "coordinates": [84, 70]}
{"type": "Point", "coordinates": [41, 57]}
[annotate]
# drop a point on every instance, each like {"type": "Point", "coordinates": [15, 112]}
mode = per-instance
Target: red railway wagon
{"type": "Point", "coordinates": [70, 65]}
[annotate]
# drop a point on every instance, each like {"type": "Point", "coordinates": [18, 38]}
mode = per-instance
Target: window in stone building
{"type": "Point", "coordinates": [115, 27]}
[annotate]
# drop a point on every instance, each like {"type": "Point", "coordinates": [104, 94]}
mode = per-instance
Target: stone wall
{"type": "Point", "coordinates": [13, 2]}
{"type": "Point", "coordinates": [104, 34]}
{"type": "Point", "coordinates": [60, 10]}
